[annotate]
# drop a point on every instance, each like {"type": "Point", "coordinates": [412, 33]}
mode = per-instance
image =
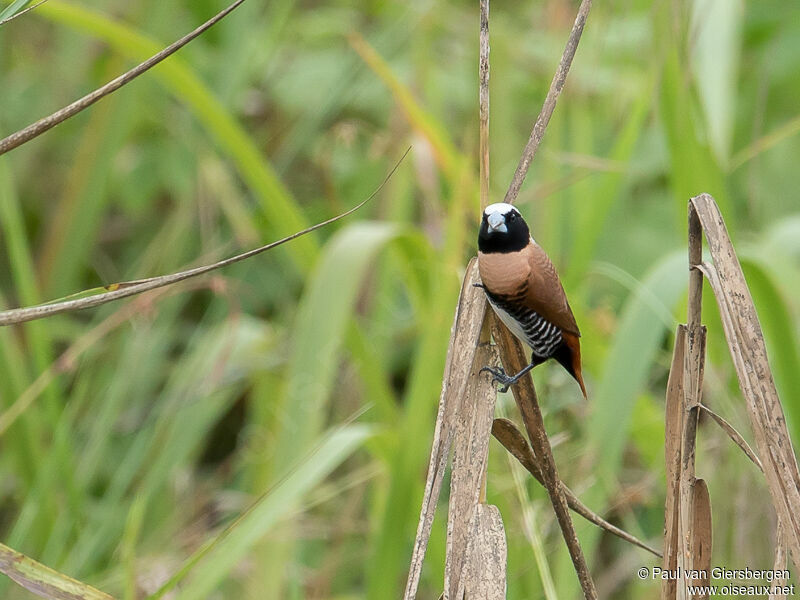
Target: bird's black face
{"type": "Point", "coordinates": [502, 230]}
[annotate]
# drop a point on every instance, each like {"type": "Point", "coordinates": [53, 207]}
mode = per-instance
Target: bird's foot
{"type": "Point", "coordinates": [499, 375]}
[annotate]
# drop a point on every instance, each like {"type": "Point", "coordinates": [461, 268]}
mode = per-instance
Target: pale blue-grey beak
{"type": "Point", "coordinates": [497, 222]}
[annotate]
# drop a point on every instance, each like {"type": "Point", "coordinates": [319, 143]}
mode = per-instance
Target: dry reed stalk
{"type": "Point", "coordinates": [46, 123]}
{"type": "Point", "coordinates": [470, 456]}
{"type": "Point", "coordinates": [124, 289]}
{"type": "Point", "coordinates": [485, 568]}
{"type": "Point", "coordinates": [673, 434]}
{"type": "Point", "coordinates": [476, 540]}
{"type": "Point", "coordinates": [779, 564]}
{"type": "Point", "coordinates": [734, 435]}
{"type": "Point", "coordinates": [512, 440]}
{"type": "Point", "coordinates": [556, 85]}
{"type": "Point", "coordinates": [513, 359]}
{"type": "Point", "coordinates": [746, 345]}
{"type": "Point", "coordinates": [687, 522]}
{"type": "Point", "coordinates": [693, 539]}
{"type": "Point", "coordinates": [464, 339]}
{"type": "Point", "coordinates": [483, 103]}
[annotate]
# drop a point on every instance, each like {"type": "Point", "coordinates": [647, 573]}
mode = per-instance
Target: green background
{"type": "Point", "coordinates": [311, 374]}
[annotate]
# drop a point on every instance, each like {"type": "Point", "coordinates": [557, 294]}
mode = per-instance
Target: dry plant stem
{"type": "Point", "coordinates": [464, 339]}
{"type": "Point", "coordinates": [470, 454]}
{"type": "Point", "coordinates": [512, 440]}
{"type": "Point", "coordinates": [694, 508]}
{"type": "Point", "coordinates": [779, 564]}
{"type": "Point", "coordinates": [734, 435]}
{"type": "Point", "coordinates": [39, 127]}
{"type": "Point", "coordinates": [485, 565]}
{"type": "Point", "coordinates": [513, 359]}
{"type": "Point", "coordinates": [746, 344]}
{"type": "Point", "coordinates": [483, 102]}
{"type": "Point", "coordinates": [672, 456]}
{"type": "Point", "coordinates": [549, 103]}
{"type": "Point", "coordinates": [131, 288]}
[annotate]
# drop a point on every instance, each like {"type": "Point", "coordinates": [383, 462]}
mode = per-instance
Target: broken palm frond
{"type": "Point", "coordinates": [44, 124]}
{"type": "Point", "coordinates": [746, 345]}
{"type": "Point", "coordinates": [513, 359]}
{"type": "Point", "coordinates": [512, 440]}
{"type": "Point", "coordinates": [556, 85]}
{"type": "Point", "coordinates": [131, 288]}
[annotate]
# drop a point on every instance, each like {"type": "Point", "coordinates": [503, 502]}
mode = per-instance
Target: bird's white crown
{"type": "Point", "coordinates": [498, 207]}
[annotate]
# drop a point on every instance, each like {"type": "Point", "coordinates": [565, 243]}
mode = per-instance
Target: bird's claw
{"type": "Point", "coordinates": [499, 375]}
{"type": "Point", "coordinates": [479, 285]}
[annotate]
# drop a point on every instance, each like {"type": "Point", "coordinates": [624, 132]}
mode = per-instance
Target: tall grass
{"type": "Point", "coordinates": [197, 402]}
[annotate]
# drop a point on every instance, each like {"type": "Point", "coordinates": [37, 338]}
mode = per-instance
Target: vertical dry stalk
{"type": "Point", "coordinates": [779, 564]}
{"type": "Point", "coordinates": [513, 359]}
{"type": "Point", "coordinates": [746, 345]}
{"type": "Point", "coordinates": [470, 454]}
{"type": "Point", "coordinates": [483, 103]}
{"type": "Point", "coordinates": [476, 541]}
{"type": "Point", "coordinates": [694, 507]}
{"type": "Point", "coordinates": [464, 340]}
{"type": "Point", "coordinates": [556, 85]}
{"type": "Point", "coordinates": [673, 435]}
{"type": "Point", "coordinates": [485, 568]}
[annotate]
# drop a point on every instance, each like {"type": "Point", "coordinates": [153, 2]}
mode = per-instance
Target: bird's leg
{"type": "Point", "coordinates": [499, 375]}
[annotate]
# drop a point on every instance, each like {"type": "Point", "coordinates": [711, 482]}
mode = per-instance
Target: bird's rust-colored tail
{"type": "Point", "coordinates": [573, 363]}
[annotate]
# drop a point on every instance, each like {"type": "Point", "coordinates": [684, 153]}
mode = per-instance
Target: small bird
{"type": "Point", "coordinates": [524, 290]}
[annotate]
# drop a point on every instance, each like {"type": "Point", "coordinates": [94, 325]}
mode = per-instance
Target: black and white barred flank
{"type": "Point", "coordinates": [540, 334]}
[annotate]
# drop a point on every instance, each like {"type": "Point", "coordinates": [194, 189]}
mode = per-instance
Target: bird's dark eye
{"type": "Point", "coordinates": [512, 217]}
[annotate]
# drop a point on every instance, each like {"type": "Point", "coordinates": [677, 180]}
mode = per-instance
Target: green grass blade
{"type": "Point", "coordinates": [282, 213]}
{"type": "Point", "coordinates": [231, 546]}
{"type": "Point", "coordinates": [13, 9]}
{"type": "Point", "coordinates": [321, 323]}
{"type": "Point", "coordinates": [44, 581]}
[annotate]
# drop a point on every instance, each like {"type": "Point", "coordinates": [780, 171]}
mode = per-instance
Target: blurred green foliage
{"type": "Point", "coordinates": [309, 377]}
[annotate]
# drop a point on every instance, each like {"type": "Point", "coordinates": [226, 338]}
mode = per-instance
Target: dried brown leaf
{"type": "Point", "coordinates": [701, 532]}
{"type": "Point", "coordinates": [746, 344]}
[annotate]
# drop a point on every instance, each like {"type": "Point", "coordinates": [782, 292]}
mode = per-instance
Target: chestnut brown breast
{"type": "Point", "coordinates": [530, 269]}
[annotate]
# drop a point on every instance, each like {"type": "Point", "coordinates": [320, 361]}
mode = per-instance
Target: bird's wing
{"type": "Point", "coordinates": [545, 292]}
